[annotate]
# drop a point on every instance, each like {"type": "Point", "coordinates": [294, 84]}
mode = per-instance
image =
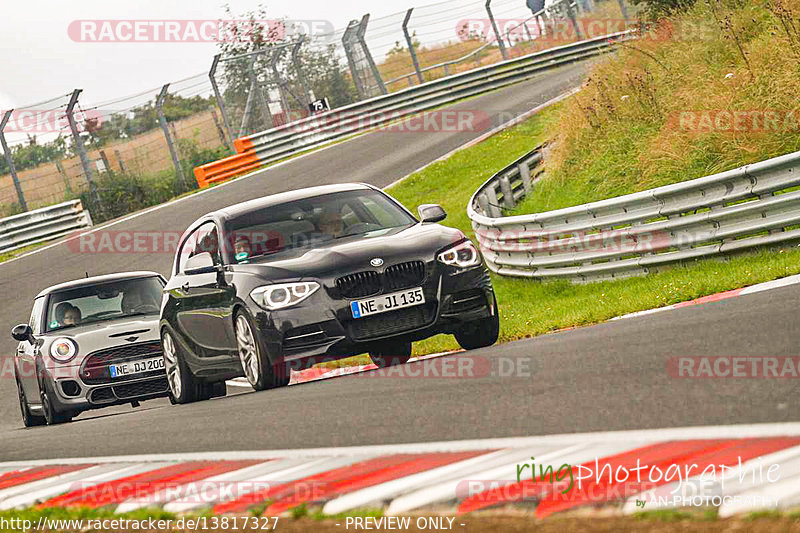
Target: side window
{"type": "Point", "coordinates": [203, 239]}
{"type": "Point", "coordinates": [36, 316]}
{"type": "Point", "coordinates": [380, 212]}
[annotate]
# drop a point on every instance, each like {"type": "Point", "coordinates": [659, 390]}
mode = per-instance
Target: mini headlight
{"type": "Point", "coordinates": [461, 255]}
{"type": "Point", "coordinates": [63, 349]}
{"type": "Point", "coordinates": [282, 295]}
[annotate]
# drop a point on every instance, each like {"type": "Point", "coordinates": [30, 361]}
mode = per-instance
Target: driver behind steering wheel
{"type": "Point", "coordinates": [134, 299]}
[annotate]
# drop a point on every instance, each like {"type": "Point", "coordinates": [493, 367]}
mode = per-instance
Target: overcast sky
{"type": "Point", "coordinates": [39, 60]}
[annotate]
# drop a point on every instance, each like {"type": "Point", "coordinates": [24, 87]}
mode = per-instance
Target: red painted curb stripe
{"type": "Point", "coordinates": [725, 453]}
{"type": "Point", "coordinates": [661, 455]}
{"type": "Point", "coordinates": [19, 477]}
{"type": "Point", "coordinates": [711, 298]}
{"type": "Point", "coordinates": [325, 485]}
{"type": "Point", "coordinates": [528, 489]}
{"type": "Point", "coordinates": [144, 484]}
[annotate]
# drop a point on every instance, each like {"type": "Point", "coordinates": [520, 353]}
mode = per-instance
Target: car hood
{"type": "Point", "coordinates": [351, 254]}
{"type": "Point", "coordinates": [112, 332]}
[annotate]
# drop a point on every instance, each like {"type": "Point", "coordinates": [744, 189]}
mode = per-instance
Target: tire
{"type": "Point", "coordinates": [258, 370]}
{"type": "Point", "coordinates": [217, 389]}
{"type": "Point", "coordinates": [51, 413]}
{"type": "Point", "coordinates": [480, 333]}
{"type": "Point", "coordinates": [183, 387]}
{"type": "Point", "coordinates": [28, 419]}
{"type": "Point", "coordinates": [391, 354]}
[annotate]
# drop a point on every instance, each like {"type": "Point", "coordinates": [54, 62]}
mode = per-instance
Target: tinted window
{"type": "Point", "coordinates": [104, 301]}
{"type": "Point", "coordinates": [312, 222]}
{"type": "Point", "coordinates": [203, 239]}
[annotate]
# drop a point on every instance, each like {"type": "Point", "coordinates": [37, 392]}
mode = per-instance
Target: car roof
{"type": "Point", "coordinates": [236, 210]}
{"type": "Point", "coordinates": [96, 280]}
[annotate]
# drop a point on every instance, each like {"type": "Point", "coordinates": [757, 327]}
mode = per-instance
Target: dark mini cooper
{"type": "Point", "coordinates": [289, 280]}
{"type": "Point", "coordinates": [90, 343]}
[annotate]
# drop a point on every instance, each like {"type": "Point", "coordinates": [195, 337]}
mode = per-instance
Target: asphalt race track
{"type": "Point", "coordinates": [607, 377]}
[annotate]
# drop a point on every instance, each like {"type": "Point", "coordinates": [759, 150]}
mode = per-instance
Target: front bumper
{"type": "Point", "coordinates": [88, 384]}
{"type": "Point", "coordinates": [323, 328]}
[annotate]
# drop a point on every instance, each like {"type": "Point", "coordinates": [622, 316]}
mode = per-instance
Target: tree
{"type": "Point", "coordinates": [663, 8]}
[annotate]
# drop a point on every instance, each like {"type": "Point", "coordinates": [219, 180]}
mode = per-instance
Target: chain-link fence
{"type": "Point", "coordinates": [139, 150]}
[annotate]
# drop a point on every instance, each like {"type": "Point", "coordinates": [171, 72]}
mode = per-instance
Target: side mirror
{"type": "Point", "coordinates": [22, 333]}
{"type": "Point", "coordinates": [201, 263]}
{"type": "Point", "coordinates": [431, 213]}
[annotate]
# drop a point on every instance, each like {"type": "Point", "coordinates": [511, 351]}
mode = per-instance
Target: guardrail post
{"type": "Point", "coordinates": [411, 45]}
{"type": "Point", "coordinates": [163, 121]}
{"type": "Point", "coordinates": [78, 142]}
{"type": "Point", "coordinates": [220, 101]}
{"type": "Point", "coordinates": [298, 68]}
{"type": "Point", "coordinates": [508, 192]}
{"type": "Point", "coordinates": [11, 169]}
{"type": "Point", "coordinates": [525, 174]}
{"type": "Point", "coordinates": [362, 29]}
{"type": "Point", "coordinates": [493, 207]}
{"type": "Point", "coordinates": [497, 34]}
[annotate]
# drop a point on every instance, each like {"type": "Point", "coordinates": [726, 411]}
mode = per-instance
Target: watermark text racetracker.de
{"type": "Point", "coordinates": [700, 367]}
{"type": "Point", "coordinates": [726, 121]}
{"type": "Point", "coordinates": [195, 31]}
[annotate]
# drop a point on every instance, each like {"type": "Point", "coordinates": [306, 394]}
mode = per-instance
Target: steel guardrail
{"type": "Point", "coordinates": [751, 206]}
{"type": "Point", "coordinates": [317, 130]}
{"type": "Point", "coordinates": [42, 225]}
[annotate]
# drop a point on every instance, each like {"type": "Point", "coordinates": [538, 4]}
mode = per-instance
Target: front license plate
{"type": "Point", "coordinates": [387, 302]}
{"type": "Point", "coordinates": [137, 367]}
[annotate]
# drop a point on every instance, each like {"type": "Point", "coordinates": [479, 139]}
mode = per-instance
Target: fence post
{"type": "Point", "coordinates": [263, 103]}
{"type": "Point", "coordinates": [624, 10]}
{"type": "Point", "coordinates": [163, 121]}
{"type": "Point", "coordinates": [573, 19]}
{"type": "Point", "coordinates": [220, 131]}
{"type": "Point", "coordinates": [11, 169]}
{"type": "Point", "coordinates": [411, 46]}
{"type": "Point", "coordinates": [497, 34]}
{"type": "Point", "coordinates": [64, 176]}
{"type": "Point", "coordinates": [273, 63]}
{"type": "Point", "coordinates": [121, 161]}
{"type": "Point", "coordinates": [76, 138]}
{"type": "Point", "coordinates": [298, 68]}
{"type": "Point", "coordinates": [347, 44]}
{"type": "Point", "coordinates": [106, 164]}
{"type": "Point", "coordinates": [220, 101]}
{"type": "Point", "coordinates": [362, 29]}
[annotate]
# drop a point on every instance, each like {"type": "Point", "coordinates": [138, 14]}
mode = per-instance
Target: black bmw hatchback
{"type": "Point", "coordinates": [290, 280]}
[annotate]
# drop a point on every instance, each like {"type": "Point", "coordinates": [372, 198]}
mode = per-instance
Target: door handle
{"type": "Point", "coordinates": [185, 287]}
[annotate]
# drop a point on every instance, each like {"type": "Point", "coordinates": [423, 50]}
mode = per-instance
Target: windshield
{"type": "Point", "coordinates": [314, 221]}
{"type": "Point", "coordinates": [105, 301]}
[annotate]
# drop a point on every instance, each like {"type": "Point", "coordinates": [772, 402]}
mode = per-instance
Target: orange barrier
{"type": "Point", "coordinates": [225, 169]}
{"type": "Point", "coordinates": [242, 145]}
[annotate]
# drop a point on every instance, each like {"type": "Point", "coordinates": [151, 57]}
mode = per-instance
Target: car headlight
{"type": "Point", "coordinates": [63, 349]}
{"type": "Point", "coordinates": [282, 295]}
{"type": "Point", "coordinates": [461, 255]}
